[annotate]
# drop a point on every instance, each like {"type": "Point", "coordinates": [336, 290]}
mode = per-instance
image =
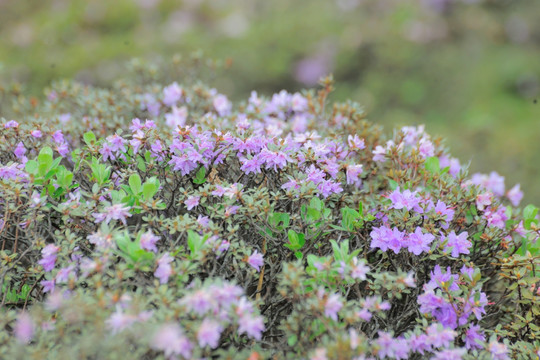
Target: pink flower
{"type": "Point", "coordinates": [256, 260]}
{"type": "Point", "coordinates": [113, 212]}
{"type": "Point", "coordinates": [164, 269]}
{"type": "Point", "coordinates": [148, 241]}
{"type": "Point", "coordinates": [515, 195]}
{"type": "Point", "coordinates": [24, 328]}
{"type": "Point", "coordinates": [192, 202]}
{"type": "Point", "coordinates": [36, 133]}
{"type": "Point", "coordinates": [483, 200]}
{"type": "Point", "coordinates": [320, 354]}
{"type": "Point", "coordinates": [209, 333]}
{"type": "Point", "coordinates": [171, 340]}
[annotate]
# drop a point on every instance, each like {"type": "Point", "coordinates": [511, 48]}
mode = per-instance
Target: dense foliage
{"type": "Point", "coordinates": [467, 69]}
{"type": "Point", "coordinates": [164, 221]}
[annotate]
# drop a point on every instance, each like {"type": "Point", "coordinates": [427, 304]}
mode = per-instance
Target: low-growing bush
{"type": "Point", "coordinates": [166, 222]}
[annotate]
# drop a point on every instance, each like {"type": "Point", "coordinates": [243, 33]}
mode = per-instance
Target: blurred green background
{"type": "Point", "coordinates": [468, 69]}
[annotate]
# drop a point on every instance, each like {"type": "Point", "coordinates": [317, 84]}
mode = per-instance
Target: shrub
{"type": "Point", "coordinates": [286, 227]}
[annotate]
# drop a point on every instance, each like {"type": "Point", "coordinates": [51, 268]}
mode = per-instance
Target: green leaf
{"type": "Point", "coordinates": [31, 167]}
{"type": "Point", "coordinates": [135, 183]}
{"type": "Point", "coordinates": [200, 176]}
{"type": "Point", "coordinates": [530, 212]}
{"type": "Point", "coordinates": [141, 164]}
{"type": "Point", "coordinates": [316, 203]}
{"type": "Point", "coordinates": [392, 184]}
{"type": "Point", "coordinates": [432, 164]}
{"type": "Point", "coordinates": [150, 188]}
{"type": "Point", "coordinates": [293, 339]}
{"type": "Point", "coordinates": [194, 242]}
{"type": "Point", "coordinates": [89, 138]}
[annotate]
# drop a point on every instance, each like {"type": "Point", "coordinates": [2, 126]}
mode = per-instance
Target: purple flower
{"type": "Point", "coordinates": [24, 328]}
{"type": "Point", "coordinates": [209, 333]}
{"type": "Point", "coordinates": [418, 242]}
{"type": "Point", "coordinates": [171, 340]}
{"type": "Point", "coordinates": [515, 195]}
{"type": "Point", "coordinates": [355, 143]}
{"type": "Point", "coordinates": [183, 163]}
{"type": "Point", "coordinates": [252, 165]}
{"type": "Point", "coordinates": [20, 150]}
{"type": "Point", "coordinates": [222, 105]}
{"type": "Point", "coordinates": [494, 182]}
{"type": "Point", "coordinates": [359, 270]}
{"type": "Point", "coordinates": [439, 336]}
{"type": "Point", "coordinates": [191, 202]}
{"type": "Point", "coordinates": [164, 269]}
{"type": "Point", "coordinates": [332, 305]}
{"type": "Point", "coordinates": [48, 285]}
{"type": "Point", "coordinates": [49, 257]}
{"type": "Point", "coordinates": [379, 154]}
{"type": "Point", "coordinates": [177, 118]}
{"type": "Point", "coordinates": [396, 240]}
{"type": "Point", "coordinates": [58, 137]}
{"type": "Point", "coordinates": [449, 354]}
{"type": "Point", "coordinates": [200, 302]}
{"type": "Point", "coordinates": [63, 149]}
{"type": "Point", "coordinates": [442, 210]}
{"type": "Point", "coordinates": [353, 171]}
{"type": "Point", "coordinates": [458, 243]}
{"type": "Point", "coordinates": [498, 351]}
{"type": "Point", "coordinates": [438, 278]}
{"type": "Point", "coordinates": [172, 94]}
{"type": "Point", "coordinates": [256, 260]}
{"type": "Point", "coordinates": [483, 200]}
{"type": "Point", "coordinates": [496, 218]}
{"type": "Point", "coordinates": [407, 199]}
{"type": "Point", "coordinates": [473, 336]}
{"type": "Point", "coordinates": [113, 212]}
{"type": "Point", "coordinates": [63, 274]}
{"type": "Point", "coordinates": [11, 124]}
{"type": "Point", "coordinates": [119, 321]}
{"type": "Point", "coordinates": [299, 103]}
{"type": "Point", "coordinates": [291, 184]}
{"type": "Point", "coordinates": [148, 241]}
{"type": "Point", "coordinates": [426, 148]}
{"type": "Point", "coordinates": [253, 326]}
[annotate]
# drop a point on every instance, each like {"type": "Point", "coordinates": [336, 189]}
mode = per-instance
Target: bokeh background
{"type": "Point", "coordinates": [468, 69]}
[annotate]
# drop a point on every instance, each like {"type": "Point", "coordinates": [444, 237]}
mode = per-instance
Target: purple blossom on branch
{"type": "Point", "coordinates": [256, 260]}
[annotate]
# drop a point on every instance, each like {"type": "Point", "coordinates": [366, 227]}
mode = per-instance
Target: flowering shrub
{"type": "Point", "coordinates": [282, 227]}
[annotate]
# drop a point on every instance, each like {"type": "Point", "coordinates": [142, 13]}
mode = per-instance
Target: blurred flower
{"type": "Point", "coordinates": [209, 333]}
{"type": "Point", "coordinates": [164, 269]}
{"type": "Point", "coordinates": [148, 241]}
{"type": "Point", "coordinates": [172, 94]}
{"type": "Point", "coordinates": [171, 340]}
{"type": "Point", "coordinates": [24, 328]}
{"type": "Point", "coordinates": [256, 260]}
